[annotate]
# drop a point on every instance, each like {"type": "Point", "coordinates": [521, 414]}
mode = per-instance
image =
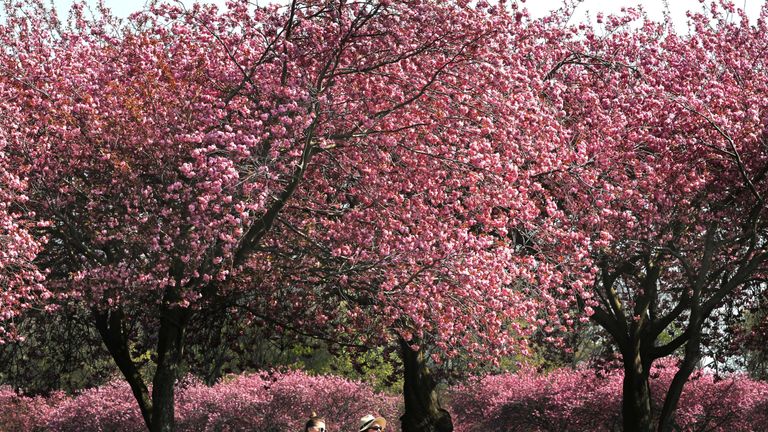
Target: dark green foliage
{"type": "Point", "coordinates": [61, 351]}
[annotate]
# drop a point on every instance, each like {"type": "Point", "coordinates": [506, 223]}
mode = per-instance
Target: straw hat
{"type": "Point", "coordinates": [370, 421]}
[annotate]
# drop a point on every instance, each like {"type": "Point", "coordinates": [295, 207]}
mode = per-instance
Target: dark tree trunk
{"type": "Point", "coordinates": [170, 349]}
{"type": "Point", "coordinates": [636, 401]}
{"type": "Point", "coordinates": [691, 358]}
{"type": "Point", "coordinates": [635, 337]}
{"type": "Point", "coordinates": [422, 407]}
{"type": "Point", "coordinates": [667, 417]}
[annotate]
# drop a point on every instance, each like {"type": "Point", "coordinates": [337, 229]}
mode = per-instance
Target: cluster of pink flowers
{"type": "Point", "coordinates": [268, 401]}
{"type": "Point", "coordinates": [20, 279]}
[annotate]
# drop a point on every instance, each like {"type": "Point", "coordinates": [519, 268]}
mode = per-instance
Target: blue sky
{"type": "Point", "coordinates": [587, 9]}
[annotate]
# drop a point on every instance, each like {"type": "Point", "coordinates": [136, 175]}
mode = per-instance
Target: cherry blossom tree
{"type": "Point", "coordinates": [434, 250]}
{"type": "Point", "coordinates": [361, 170]}
{"type": "Point", "coordinates": [668, 179]}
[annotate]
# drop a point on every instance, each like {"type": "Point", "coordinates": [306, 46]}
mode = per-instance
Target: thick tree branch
{"type": "Point", "coordinates": [109, 323]}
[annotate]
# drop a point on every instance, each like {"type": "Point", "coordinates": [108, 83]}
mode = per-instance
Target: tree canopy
{"type": "Point", "coordinates": [444, 177]}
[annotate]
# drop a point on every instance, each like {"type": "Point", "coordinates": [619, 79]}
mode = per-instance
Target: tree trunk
{"type": "Point", "coordinates": [157, 411]}
{"type": "Point", "coordinates": [667, 417]}
{"type": "Point", "coordinates": [691, 358]}
{"type": "Point", "coordinates": [110, 326]}
{"type": "Point", "coordinates": [170, 349]}
{"type": "Point", "coordinates": [422, 407]}
{"type": "Point", "coordinates": [636, 401]}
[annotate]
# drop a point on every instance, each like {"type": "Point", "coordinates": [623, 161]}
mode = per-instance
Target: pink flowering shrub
{"type": "Point", "coordinates": [265, 402]}
{"type": "Point", "coordinates": [736, 403]}
{"type": "Point", "coordinates": [107, 408]}
{"type": "Point", "coordinates": [564, 400]}
{"type": "Point", "coordinates": [561, 401]}
{"type": "Point", "coordinates": [586, 400]}
{"type": "Point", "coordinates": [19, 413]}
{"type": "Point", "coordinates": [280, 401]}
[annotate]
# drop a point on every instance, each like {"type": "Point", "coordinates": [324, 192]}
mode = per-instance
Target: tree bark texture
{"type": "Point", "coordinates": [423, 412]}
{"type": "Point", "coordinates": [636, 401]}
{"type": "Point", "coordinates": [170, 349]}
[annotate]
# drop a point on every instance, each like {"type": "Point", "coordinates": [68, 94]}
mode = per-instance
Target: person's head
{"type": "Point", "coordinates": [371, 423]}
{"type": "Point", "coordinates": [315, 424]}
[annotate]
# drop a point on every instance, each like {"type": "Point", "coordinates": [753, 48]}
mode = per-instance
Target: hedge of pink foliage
{"type": "Point", "coordinates": [280, 402]}
{"type": "Point", "coordinates": [564, 400]}
{"type": "Point", "coordinates": [265, 402]}
{"type": "Point", "coordinates": [19, 413]}
{"type": "Point", "coordinates": [585, 400]}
